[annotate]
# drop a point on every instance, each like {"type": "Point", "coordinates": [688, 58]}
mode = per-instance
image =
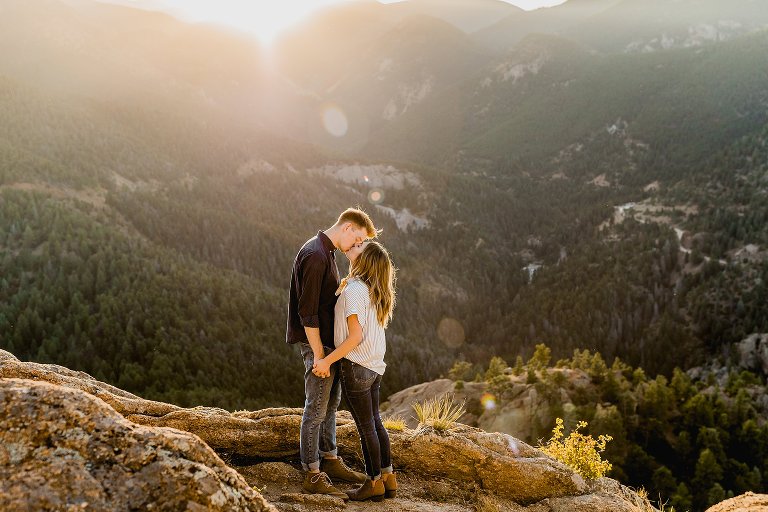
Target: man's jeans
{"type": "Point", "coordinates": [318, 424]}
{"type": "Point", "coordinates": [361, 390]}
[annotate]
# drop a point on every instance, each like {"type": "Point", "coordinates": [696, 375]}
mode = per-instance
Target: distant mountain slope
{"type": "Point", "coordinates": [641, 26]}
{"type": "Point", "coordinates": [548, 93]}
{"type": "Point", "coordinates": [505, 33]}
{"type": "Point", "coordinates": [467, 15]}
{"type": "Point", "coordinates": [112, 51]}
{"type": "Point", "coordinates": [632, 26]}
{"type": "Point", "coordinates": [503, 184]}
{"type": "Point", "coordinates": [416, 89]}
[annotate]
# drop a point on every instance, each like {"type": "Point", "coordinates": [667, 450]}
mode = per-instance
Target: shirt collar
{"type": "Point", "coordinates": [326, 242]}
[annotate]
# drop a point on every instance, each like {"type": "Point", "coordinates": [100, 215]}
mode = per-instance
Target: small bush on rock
{"type": "Point", "coordinates": [394, 423]}
{"type": "Point", "coordinates": [578, 451]}
{"type": "Point", "coordinates": [440, 414]}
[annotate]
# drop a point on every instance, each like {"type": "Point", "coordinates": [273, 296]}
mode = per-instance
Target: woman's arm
{"type": "Point", "coordinates": [323, 366]}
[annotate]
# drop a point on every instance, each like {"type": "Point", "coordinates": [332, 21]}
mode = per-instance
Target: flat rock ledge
{"type": "Point", "coordinates": [507, 470]}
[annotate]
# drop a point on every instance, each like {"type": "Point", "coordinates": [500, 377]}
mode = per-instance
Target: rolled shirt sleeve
{"type": "Point", "coordinates": [357, 301]}
{"type": "Point", "coordinates": [312, 272]}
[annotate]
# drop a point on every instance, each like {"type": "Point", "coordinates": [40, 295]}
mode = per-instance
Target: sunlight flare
{"type": "Point", "coordinates": [376, 196]}
{"type": "Point", "coordinates": [488, 401]}
{"type": "Point", "coordinates": [451, 332]}
{"type": "Point", "coordinates": [335, 120]}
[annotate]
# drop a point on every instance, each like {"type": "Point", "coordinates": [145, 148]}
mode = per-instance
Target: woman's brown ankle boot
{"type": "Point", "coordinates": [370, 490]}
{"type": "Point", "coordinates": [390, 485]}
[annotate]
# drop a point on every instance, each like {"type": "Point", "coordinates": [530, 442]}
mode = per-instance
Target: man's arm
{"type": "Point", "coordinates": [312, 272]}
{"type": "Point", "coordinates": [313, 337]}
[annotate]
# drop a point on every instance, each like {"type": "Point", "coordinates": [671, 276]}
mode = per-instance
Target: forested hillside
{"type": "Point", "coordinates": [151, 212]}
{"type": "Point", "coordinates": [690, 439]}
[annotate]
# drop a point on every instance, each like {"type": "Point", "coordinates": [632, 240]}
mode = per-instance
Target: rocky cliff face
{"type": "Point", "coordinates": [753, 352]}
{"type": "Point", "coordinates": [71, 441]}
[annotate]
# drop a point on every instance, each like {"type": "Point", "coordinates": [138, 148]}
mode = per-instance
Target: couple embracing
{"type": "Point", "coordinates": [339, 325]}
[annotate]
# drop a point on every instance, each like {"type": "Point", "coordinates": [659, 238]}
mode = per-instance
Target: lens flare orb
{"type": "Point", "coordinates": [375, 196]}
{"type": "Point", "coordinates": [488, 401]}
{"type": "Point", "coordinates": [335, 121]}
{"type": "Point", "coordinates": [451, 332]}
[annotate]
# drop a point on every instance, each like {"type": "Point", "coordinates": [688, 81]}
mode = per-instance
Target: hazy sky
{"type": "Point", "coordinates": [263, 18]}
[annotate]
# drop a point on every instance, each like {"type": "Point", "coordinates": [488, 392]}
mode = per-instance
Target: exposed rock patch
{"type": "Point", "coordinates": [753, 352]}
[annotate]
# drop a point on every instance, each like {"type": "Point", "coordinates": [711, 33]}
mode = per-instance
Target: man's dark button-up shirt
{"type": "Point", "coordinates": [314, 280]}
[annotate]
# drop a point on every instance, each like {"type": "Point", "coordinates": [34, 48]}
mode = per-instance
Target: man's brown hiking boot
{"type": "Point", "coordinates": [338, 471]}
{"type": "Point", "coordinates": [319, 483]}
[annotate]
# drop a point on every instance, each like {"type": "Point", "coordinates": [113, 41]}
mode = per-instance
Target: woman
{"type": "Point", "coordinates": [363, 311]}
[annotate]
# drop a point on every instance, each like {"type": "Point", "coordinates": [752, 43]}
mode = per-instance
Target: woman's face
{"type": "Point", "coordinates": [355, 251]}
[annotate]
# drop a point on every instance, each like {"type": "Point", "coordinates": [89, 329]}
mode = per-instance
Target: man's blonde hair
{"type": "Point", "coordinates": [359, 218]}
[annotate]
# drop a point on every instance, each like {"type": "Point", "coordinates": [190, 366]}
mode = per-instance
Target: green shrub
{"type": "Point", "coordinates": [578, 451]}
{"type": "Point", "coordinates": [461, 370]}
{"type": "Point", "coordinates": [496, 367]}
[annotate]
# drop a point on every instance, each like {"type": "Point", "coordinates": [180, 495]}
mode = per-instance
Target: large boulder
{"type": "Point", "coordinates": [63, 449]}
{"type": "Point", "coordinates": [245, 433]}
{"type": "Point", "coordinates": [748, 502]}
{"type": "Point", "coordinates": [504, 466]}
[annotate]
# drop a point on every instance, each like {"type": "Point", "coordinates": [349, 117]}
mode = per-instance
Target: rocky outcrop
{"type": "Point", "coordinates": [156, 454]}
{"type": "Point", "coordinates": [495, 462]}
{"type": "Point", "coordinates": [63, 449]}
{"type": "Point", "coordinates": [750, 354]}
{"type": "Point", "coordinates": [401, 403]}
{"type": "Point", "coordinates": [246, 433]}
{"type": "Point", "coordinates": [488, 460]}
{"type": "Point", "coordinates": [521, 409]}
{"type": "Point", "coordinates": [753, 353]}
{"type": "Point", "coordinates": [748, 502]}
{"type": "Point", "coordinates": [123, 402]}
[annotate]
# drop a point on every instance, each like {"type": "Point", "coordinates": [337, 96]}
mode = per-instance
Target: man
{"type": "Point", "coordinates": [314, 280]}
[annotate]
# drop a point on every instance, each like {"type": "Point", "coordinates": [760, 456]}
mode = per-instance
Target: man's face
{"type": "Point", "coordinates": [355, 251]}
{"type": "Point", "coordinates": [351, 235]}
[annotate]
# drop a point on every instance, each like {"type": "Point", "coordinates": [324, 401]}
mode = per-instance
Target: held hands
{"type": "Point", "coordinates": [321, 368]}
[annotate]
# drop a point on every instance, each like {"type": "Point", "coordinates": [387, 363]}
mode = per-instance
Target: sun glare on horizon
{"type": "Point", "coordinates": [263, 19]}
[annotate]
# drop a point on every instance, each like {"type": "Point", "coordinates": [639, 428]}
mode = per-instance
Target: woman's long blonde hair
{"type": "Point", "coordinates": [374, 267]}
